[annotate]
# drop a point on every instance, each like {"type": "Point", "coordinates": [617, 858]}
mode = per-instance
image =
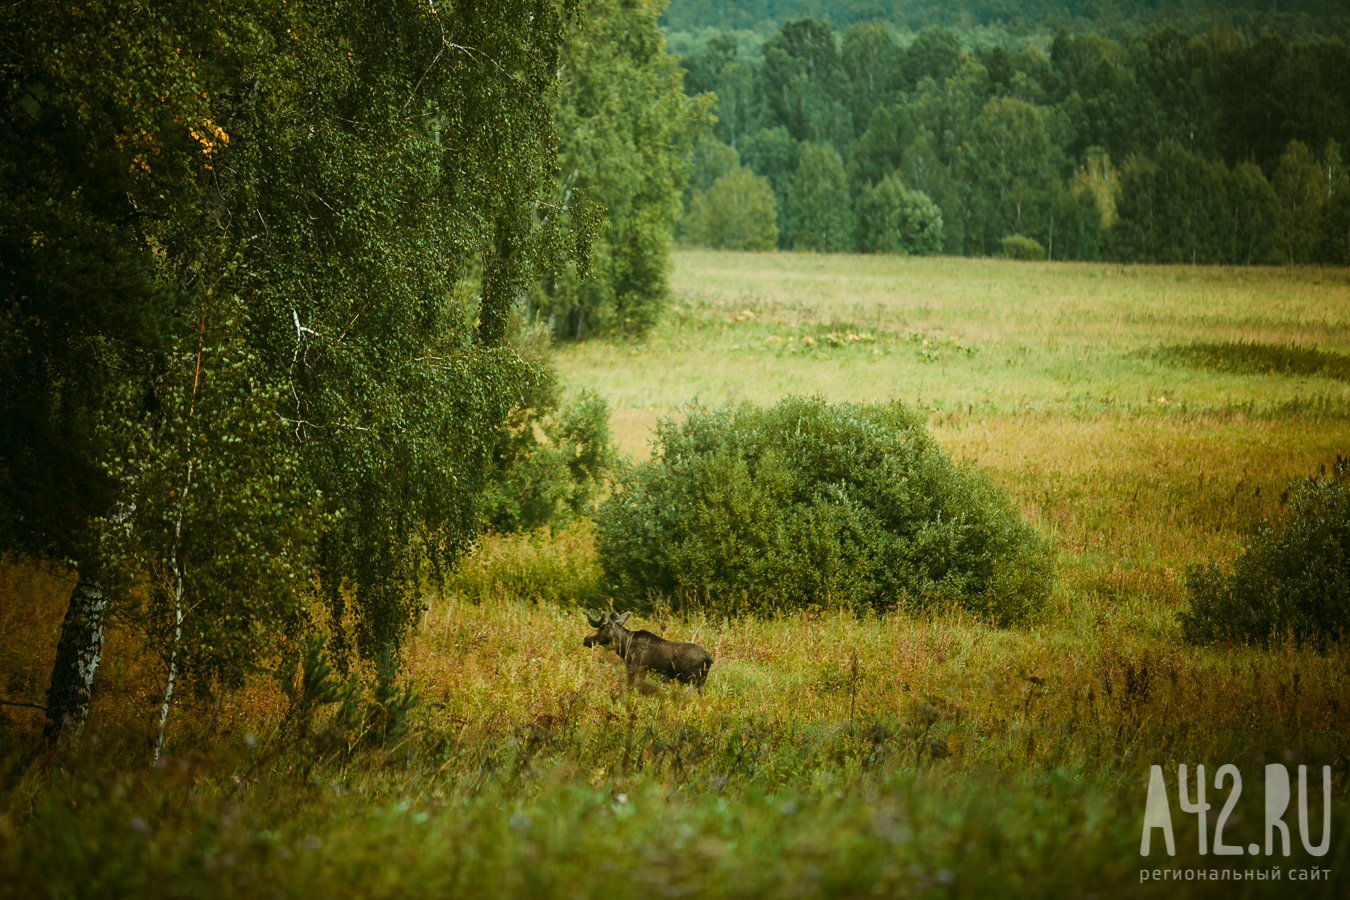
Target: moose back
{"type": "Point", "coordinates": [644, 651]}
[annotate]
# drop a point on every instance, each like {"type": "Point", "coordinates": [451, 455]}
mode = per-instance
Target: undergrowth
{"type": "Point", "coordinates": [1254, 358]}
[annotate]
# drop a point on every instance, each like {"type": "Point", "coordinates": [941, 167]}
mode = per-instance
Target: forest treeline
{"type": "Point", "coordinates": [1017, 18]}
{"type": "Point", "coordinates": [1162, 147]}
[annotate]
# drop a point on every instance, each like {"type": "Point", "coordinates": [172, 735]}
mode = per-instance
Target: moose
{"type": "Point", "coordinates": [644, 651]}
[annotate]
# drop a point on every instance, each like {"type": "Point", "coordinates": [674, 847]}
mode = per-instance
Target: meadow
{"type": "Point", "coordinates": [1144, 418]}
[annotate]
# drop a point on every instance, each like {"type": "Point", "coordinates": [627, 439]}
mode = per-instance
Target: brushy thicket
{"type": "Point", "coordinates": [541, 565]}
{"type": "Point", "coordinates": [1293, 578]}
{"type": "Point", "coordinates": [807, 503]}
{"type": "Point", "coordinates": [550, 457]}
{"type": "Point", "coordinates": [1015, 246]}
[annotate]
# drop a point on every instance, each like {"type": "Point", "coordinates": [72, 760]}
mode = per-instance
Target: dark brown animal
{"type": "Point", "coordinates": [643, 651]}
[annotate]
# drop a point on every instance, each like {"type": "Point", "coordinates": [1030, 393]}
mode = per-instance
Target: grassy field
{"type": "Point", "coordinates": [830, 755]}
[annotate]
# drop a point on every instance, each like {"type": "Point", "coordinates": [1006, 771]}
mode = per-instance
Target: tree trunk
{"type": "Point", "coordinates": [77, 656]}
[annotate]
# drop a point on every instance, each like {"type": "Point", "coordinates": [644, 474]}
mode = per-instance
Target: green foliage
{"type": "Point", "coordinates": [1298, 191]}
{"type": "Point", "coordinates": [736, 213]}
{"type": "Point", "coordinates": [1174, 208]}
{"type": "Point", "coordinates": [801, 82]}
{"type": "Point", "coordinates": [550, 458]}
{"type": "Point", "coordinates": [547, 565]}
{"type": "Point", "coordinates": [1334, 241]}
{"type": "Point", "coordinates": [773, 155]}
{"type": "Point", "coordinates": [224, 526]}
{"type": "Point", "coordinates": [627, 129]}
{"type": "Point", "coordinates": [1008, 164]}
{"type": "Point", "coordinates": [1015, 246]}
{"type": "Point", "coordinates": [372, 714]}
{"type": "Point", "coordinates": [1005, 139]}
{"type": "Point", "coordinates": [232, 239]}
{"type": "Point", "coordinates": [807, 504]}
{"type": "Point", "coordinates": [1293, 577]}
{"type": "Point", "coordinates": [549, 463]}
{"type": "Point", "coordinates": [818, 202]}
{"type": "Point", "coordinates": [1253, 211]}
{"type": "Point", "coordinates": [881, 149]}
{"type": "Point", "coordinates": [718, 71]}
{"type": "Point", "coordinates": [894, 219]}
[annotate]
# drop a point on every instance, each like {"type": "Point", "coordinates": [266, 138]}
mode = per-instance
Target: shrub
{"type": "Point", "coordinates": [550, 459]}
{"type": "Point", "coordinates": [812, 504]}
{"type": "Point", "coordinates": [1293, 578]}
{"type": "Point", "coordinates": [1015, 246]}
{"type": "Point", "coordinates": [545, 566]}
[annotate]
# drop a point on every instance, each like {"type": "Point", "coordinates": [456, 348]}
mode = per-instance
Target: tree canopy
{"type": "Point", "coordinates": [1013, 132]}
{"type": "Point", "coordinates": [238, 344]}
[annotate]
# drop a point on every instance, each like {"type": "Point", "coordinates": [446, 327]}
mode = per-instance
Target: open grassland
{"type": "Point", "coordinates": [968, 336]}
{"type": "Point", "coordinates": [830, 756]}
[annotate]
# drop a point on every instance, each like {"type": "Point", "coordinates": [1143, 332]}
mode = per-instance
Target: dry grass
{"type": "Point", "coordinates": [830, 755]}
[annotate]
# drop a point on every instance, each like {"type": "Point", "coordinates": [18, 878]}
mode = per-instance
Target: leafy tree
{"type": "Point", "coordinates": [627, 130]}
{"type": "Point", "coordinates": [924, 172]}
{"type": "Point", "coordinates": [719, 71]}
{"type": "Point", "coordinates": [934, 54]}
{"type": "Point", "coordinates": [1252, 213]}
{"type": "Point", "coordinates": [1334, 240]}
{"type": "Point", "coordinates": [1173, 209]}
{"type": "Point", "coordinates": [894, 219]}
{"type": "Point", "coordinates": [550, 458]}
{"type": "Point", "coordinates": [1074, 229]}
{"type": "Point", "coordinates": [1096, 81]}
{"type": "Point", "coordinates": [881, 149]}
{"type": "Point", "coordinates": [1100, 179]}
{"type": "Point", "coordinates": [802, 81]}
{"type": "Point", "coordinates": [772, 154]}
{"type": "Point", "coordinates": [710, 160]}
{"type": "Point", "coordinates": [818, 201]}
{"type": "Point", "coordinates": [872, 66]}
{"type": "Point", "coordinates": [1171, 103]}
{"type": "Point", "coordinates": [736, 213]}
{"type": "Point", "coordinates": [1299, 191]}
{"type": "Point", "coordinates": [1009, 166]}
{"type": "Point", "coordinates": [232, 238]}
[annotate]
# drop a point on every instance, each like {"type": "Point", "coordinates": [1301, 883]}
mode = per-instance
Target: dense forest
{"type": "Point", "coordinates": [1291, 18]}
{"type": "Point", "coordinates": [1155, 145]}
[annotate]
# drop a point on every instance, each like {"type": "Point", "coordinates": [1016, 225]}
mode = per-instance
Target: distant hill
{"type": "Point", "coordinates": [1291, 19]}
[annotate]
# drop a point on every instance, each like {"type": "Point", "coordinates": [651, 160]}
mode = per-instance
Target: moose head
{"type": "Point", "coordinates": [609, 632]}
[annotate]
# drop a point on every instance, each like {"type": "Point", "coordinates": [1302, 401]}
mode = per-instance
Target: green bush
{"type": "Point", "coordinates": [1293, 579]}
{"type": "Point", "coordinates": [812, 504]}
{"type": "Point", "coordinates": [550, 458]}
{"type": "Point", "coordinates": [1015, 246]}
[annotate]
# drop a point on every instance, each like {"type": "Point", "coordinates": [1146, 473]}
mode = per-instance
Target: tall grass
{"type": "Point", "coordinates": [831, 754]}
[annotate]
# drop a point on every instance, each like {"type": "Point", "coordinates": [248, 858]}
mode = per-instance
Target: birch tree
{"type": "Point", "coordinates": [237, 370]}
